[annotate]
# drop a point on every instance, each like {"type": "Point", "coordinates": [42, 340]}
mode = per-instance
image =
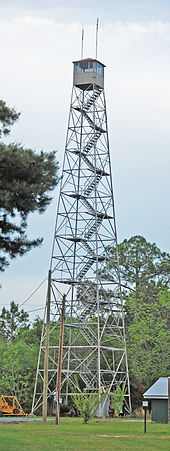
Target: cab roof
{"type": "Point", "coordinates": [89, 59]}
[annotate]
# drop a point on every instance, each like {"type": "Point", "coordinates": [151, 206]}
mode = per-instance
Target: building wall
{"type": "Point", "coordinates": [159, 410]}
{"type": "Point", "coordinates": [88, 78]}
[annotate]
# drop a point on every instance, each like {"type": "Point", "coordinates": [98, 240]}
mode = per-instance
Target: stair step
{"type": "Point", "coordinates": [90, 232]}
{"type": "Point", "coordinates": [92, 185]}
{"type": "Point", "coordinates": [92, 167]}
{"type": "Point", "coordinates": [90, 251]}
{"type": "Point", "coordinates": [91, 142]}
{"type": "Point", "coordinates": [85, 268]}
{"type": "Point", "coordinates": [90, 102]}
{"type": "Point", "coordinates": [92, 124]}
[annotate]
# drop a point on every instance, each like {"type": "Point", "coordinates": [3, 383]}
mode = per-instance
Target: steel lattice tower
{"type": "Point", "coordinates": [94, 342]}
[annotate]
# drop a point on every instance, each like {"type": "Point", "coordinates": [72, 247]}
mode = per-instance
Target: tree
{"type": "Point", "coordinates": [141, 264]}
{"type": "Point", "coordinates": [117, 399]}
{"type": "Point", "coordinates": [19, 346]}
{"type": "Point", "coordinates": [148, 339]}
{"type": "Point", "coordinates": [12, 320]}
{"type": "Point", "coordinates": [26, 180]}
{"type": "Point", "coordinates": [18, 363]}
{"type": "Point", "coordinates": [86, 403]}
{"type": "Point", "coordinates": [146, 270]}
{"type": "Point", "coordinates": [31, 334]}
{"type": "Point", "coordinates": [7, 118]}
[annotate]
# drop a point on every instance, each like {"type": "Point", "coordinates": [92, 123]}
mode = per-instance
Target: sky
{"type": "Point", "coordinates": [39, 40]}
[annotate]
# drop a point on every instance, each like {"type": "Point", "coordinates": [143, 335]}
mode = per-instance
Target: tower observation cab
{"type": "Point", "coordinates": [87, 73]}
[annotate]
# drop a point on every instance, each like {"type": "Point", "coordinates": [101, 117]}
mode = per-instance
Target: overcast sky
{"type": "Point", "coordinates": [39, 40]}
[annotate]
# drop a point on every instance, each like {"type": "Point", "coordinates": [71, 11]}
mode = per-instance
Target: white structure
{"type": "Point", "coordinates": [94, 343]}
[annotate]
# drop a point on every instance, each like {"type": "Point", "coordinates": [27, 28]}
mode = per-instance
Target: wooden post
{"type": "Point", "coordinates": [45, 383]}
{"type": "Point", "coordinates": [60, 355]}
{"type": "Point", "coordinates": [145, 421]}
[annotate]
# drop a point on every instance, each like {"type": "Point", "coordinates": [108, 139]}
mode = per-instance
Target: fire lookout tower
{"type": "Point", "coordinates": [94, 347]}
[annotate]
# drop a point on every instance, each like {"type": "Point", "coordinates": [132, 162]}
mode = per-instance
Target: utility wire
{"type": "Point", "coordinates": [36, 310]}
{"type": "Point", "coordinates": [26, 300]}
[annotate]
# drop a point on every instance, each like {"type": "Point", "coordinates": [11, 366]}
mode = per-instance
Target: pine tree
{"type": "Point", "coordinates": [26, 180]}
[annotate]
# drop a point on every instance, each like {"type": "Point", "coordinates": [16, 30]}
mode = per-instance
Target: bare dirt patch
{"type": "Point", "coordinates": [4, 423]}
{"type": "Point", "coordinates": [134, 436]}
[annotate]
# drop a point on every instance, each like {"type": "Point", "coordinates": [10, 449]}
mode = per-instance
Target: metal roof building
{"type": "Point", "coordinates": [159, 394]}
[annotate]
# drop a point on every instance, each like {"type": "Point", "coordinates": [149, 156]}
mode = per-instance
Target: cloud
{"type": "Point", "coordinates": [36, 76]}
{"type": "Point", "coordinates": [70, 10]}
{"type": "Point", "coordinates": [34, 21]}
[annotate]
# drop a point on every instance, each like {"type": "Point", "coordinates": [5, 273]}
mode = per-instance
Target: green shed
{"type": "Point", "coordinates": [160, 401]}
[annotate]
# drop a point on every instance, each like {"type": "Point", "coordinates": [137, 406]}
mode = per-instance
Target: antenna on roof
{"type": "Point", "coordinates": [82, 42]}
{"type": "Point", "coordinates": [97, 27]}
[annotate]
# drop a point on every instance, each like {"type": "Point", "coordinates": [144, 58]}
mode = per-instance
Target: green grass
{"type": "Point", "coordinates": [73, 435]}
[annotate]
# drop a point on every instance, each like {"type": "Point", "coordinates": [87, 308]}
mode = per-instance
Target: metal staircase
{"type": "Point", "coordinates": [90, 121]}
{"type": "Point", "coordinates": [92, 99]}
{"type": "Point", "coordinates": [85, 268]}
{"type": "Point", "coordinates": [92, 141]}
{"type": "Point", "coordinates": [91, 186]}
{"type": "Point", "coordinates": [84, 233]}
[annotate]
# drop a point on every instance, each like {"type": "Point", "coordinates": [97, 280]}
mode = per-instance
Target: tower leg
{"type": "Point", "coordinates": [45, 383]}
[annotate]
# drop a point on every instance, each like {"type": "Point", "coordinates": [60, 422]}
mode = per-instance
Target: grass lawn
{"type": "Point", "coordinates": [72, 434]}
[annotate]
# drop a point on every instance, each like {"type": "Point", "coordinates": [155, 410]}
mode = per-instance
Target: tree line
{"type": "Point", "coordinates": [146, 269]}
